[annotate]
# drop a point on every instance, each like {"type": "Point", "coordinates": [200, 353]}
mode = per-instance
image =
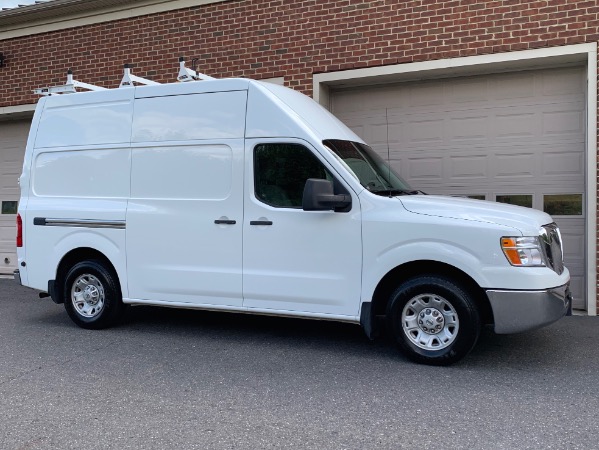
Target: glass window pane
{"type": "Point", "coordinates": [476, 197]}
{"type": "Point", "coordinates": [515, 199]}
{"type": "Point", "coordinates": [9, 207]}
{"type": "Point", "coordinates": [281, 171]}
{"type": "Point", "coordinates": [563, 204]}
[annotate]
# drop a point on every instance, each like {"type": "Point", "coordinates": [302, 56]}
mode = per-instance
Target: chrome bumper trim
{"type": "Point", "coordinates": [516, 311]}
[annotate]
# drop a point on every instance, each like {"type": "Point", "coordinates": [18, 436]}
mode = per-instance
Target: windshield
{"type": "Point", "coordinates": [369, 168]}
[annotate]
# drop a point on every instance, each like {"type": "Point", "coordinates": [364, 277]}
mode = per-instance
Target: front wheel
{"type": "Point", "coordinates": [433, 320]}
{"type": "Point", "coordinates": [92, 295]}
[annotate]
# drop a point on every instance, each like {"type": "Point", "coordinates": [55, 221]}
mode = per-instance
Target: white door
{"type": "Point", "coordinates": [511, 137]}
{"type": "Point", "coordinates": [13, 138]}
{"type": "Point", "coordinates": [296, 260]}
{"type": "Point", "coordinates": [184, 223]}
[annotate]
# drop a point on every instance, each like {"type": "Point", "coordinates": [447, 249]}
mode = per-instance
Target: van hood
{"type": "Point", "coordinates": [528, 221]}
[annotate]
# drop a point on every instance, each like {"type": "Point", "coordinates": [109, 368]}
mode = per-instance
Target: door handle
{"type": "Point", "coordinates": [225, 222]}
{"type": "Point", "coordinates": [260, 222]}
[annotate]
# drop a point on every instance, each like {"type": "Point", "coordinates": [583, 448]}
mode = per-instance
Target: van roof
{"type": "Point", "coordinates": [195, 87]}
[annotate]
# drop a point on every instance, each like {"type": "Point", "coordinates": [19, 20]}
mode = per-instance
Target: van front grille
{"type": "Point", "coordinates": [551, 242]}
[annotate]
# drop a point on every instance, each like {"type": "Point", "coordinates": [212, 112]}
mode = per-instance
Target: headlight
{"type": "Point", "coordinates": [523, 251]}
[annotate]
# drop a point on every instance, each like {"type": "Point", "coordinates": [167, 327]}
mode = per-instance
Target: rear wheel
{"type": "Point", "coordinates": [92, 295]}
{"type": "Point", "coordinates": [433, 320]}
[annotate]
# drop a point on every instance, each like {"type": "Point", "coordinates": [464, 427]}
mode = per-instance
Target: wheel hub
{"type": "Point", "coordinates": [87, 295]}
{"type": "Point", "coordinates": [91, 295]}
{"type": "Point", "coordinates": [431, 321]}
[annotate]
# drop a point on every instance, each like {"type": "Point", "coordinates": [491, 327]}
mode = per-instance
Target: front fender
{"type": "Point", "coordinates": [428, 250]}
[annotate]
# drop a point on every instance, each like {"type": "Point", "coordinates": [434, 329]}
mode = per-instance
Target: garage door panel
{"type": "Point", "coordinates": [562, 164]}
{"type": "Point", "coordinates": [563, 82]}
{"type": "Point", "coordinates": [469, 167]}
{"type": "Point", "coordinates": [504, 134]}
{"type": "Point", "coordinates": [516, 166]}
{"type": "Point", "coordinates": [425, 130]}
{"type": "Point", "coordinates": [520, 85]}
{"type": "Point", "coordinates": [566, 122]}
{"type": "Point", "coordinates": [470, 90]}
{"type": "Point", "coordinates": [468, 127]}
{"type": "Point", "coordinates": [421, 95]}
{"type": "Point", "coordinates": [426, 169]}
{"type": "Point", "coordinates": [514, 124]}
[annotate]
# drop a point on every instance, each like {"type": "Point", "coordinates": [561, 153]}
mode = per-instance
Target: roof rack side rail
{"type": "Point", "coordinates": [129, 79]}
{"type": "Point", "coordinates": [186, 74]}
{"type": "Point", "coordinates": [69, 87]}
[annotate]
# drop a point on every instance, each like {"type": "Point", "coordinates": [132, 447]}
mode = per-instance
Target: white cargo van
{"type": "Point", "coordinates": [238, 195]}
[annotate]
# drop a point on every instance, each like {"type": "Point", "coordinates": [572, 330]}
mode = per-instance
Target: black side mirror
{"type": "Point", "coordinates": [319, 196]}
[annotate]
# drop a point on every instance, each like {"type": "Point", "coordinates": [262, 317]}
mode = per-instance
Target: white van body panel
{"type": "Point", "coordinates": [300, 110]}
{"type": "Point", "coordinates": [277, 111]}
{"type": "Point", "coordinates": [216, 115]}
{"type": "Point", "coordinates": [176, 252]}
{"type": "Point", "coordinates": [52, 243]}
{"type": "Point", "coordinates": [77, 169]}
{"type": "Point", "coordinates": [24, 186]}
{"type": "Point", "coordinates": [102, 117]}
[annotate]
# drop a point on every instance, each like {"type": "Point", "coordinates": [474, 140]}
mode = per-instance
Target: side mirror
{"type": "Point", "coordinates": [319, 196]}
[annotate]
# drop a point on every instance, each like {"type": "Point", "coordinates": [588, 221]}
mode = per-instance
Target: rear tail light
{"type": "Point", "coordinates": [19, 231]}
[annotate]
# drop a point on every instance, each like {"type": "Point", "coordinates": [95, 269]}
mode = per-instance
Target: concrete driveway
{"type": "Point", "coordinates": [190, 379]}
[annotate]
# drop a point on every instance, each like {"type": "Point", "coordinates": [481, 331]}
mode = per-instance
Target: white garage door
{"type": "Point", "coordinates": [13, 136]}
{"type": "Point", "coordinates": [513, 137]}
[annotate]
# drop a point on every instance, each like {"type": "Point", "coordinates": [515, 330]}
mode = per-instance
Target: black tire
{"type": "Point", "coordinates": [426, 300]}
{"type": "Point", "coordinates": [96, 301]}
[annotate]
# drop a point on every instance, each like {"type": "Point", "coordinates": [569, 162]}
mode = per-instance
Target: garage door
{"type": "Point", "coordinates": [514, 137]}
{"type": "Point", "coordinates": [13, 136]}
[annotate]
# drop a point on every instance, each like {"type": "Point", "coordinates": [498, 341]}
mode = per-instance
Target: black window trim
{"type": "Point", "coordinates": [338, 187]}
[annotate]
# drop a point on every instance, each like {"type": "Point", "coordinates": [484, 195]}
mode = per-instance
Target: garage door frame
{"type": "Point", "coordinates": [553, 57]}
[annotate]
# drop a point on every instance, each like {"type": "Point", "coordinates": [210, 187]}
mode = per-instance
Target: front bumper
{"type": "Point", "coordinates": [17, 276]}
{"type": "Point", "coordinates": [516, 311]}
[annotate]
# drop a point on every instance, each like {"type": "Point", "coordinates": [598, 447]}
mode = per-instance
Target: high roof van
{"type": "Point", "coordinates": [239, 195]}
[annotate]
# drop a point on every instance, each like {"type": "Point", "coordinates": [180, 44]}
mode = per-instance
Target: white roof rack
{"type": "Point", "coordinates": [69, 87]}
{"type": "Point", "coordinates": [186, 74]}
{"type": "Point", "coordinates": [128, 80]}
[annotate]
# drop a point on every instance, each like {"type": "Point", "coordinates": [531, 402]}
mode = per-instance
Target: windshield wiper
{"type": "Point", "coordinates": [391, 192]}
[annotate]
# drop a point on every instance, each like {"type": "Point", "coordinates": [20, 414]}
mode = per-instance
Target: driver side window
{"type": "Point", "coordinates": [281, 171]}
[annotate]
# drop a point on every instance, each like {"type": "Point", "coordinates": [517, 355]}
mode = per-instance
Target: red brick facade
{"type": "Point", "coordinates": [261, 39]}
{"type": "Point", "coordinates": [294, 39]}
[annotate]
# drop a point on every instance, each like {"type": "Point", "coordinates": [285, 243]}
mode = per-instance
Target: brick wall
{"type": "Point", "coordinates": [263, 39]}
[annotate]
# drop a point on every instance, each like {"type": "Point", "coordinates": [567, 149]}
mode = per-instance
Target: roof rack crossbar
{"type": "Point", "coordinates": [69, 87]}
{"type": "Point", "coordinates": [129, 79]}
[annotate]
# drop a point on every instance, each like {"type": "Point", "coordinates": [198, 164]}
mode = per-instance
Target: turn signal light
{"type": "Point", "coordinates": [523, 251]}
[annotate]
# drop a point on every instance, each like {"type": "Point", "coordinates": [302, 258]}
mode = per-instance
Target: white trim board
{"type": "Point", "coordinates": [494, 63]}
{"type": "Point", "coordinates": [16, 112]}
{"type": "Point", "coordinates": [78, 19]}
